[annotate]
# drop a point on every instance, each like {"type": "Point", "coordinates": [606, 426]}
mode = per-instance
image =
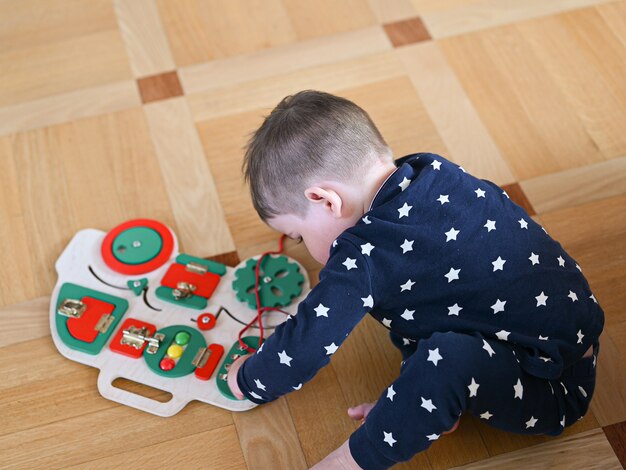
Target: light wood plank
{"type": "Point", "coordinates": [188, 179]}
{"type": "Point", "coordinates": [60, 67]}
{"type": "Point", "coordinates": [595, 235]}
{"type": "Point", "coordinates": [577, 186]}
{"type": "Point", "coordinates": [323, 17]}
{"type": "Point", "coordinates": [452, 112]}
{"type": "Point", "coordinates": [399, 114]}
{"type": "Point", "coordinates": [24, 321]}
{"type": "Point", "coordinates": [266, 93]}
{"type": "Point", "coordinates": [69, 106]}
{"type": "Point", "coordinates": [320, 415]}
{"type": "Point", "coordinates": [203, 30]}
{"type": "Point", "coordinates": [268, 437]}
{"type": "Point", "coordinates": [217, 449]}
{"type": "Point", "coordinates": [283, 59]}
{"type": "Point", "coordinates": [609, 402]}
{"type": "Point", "coordinates": [570, 58]}
{"type": "Point", "coordinates": [389, 11]}
{"type": "Point", "coordinates": [16, 276]}
{"type": "Point", "coordinates": [92, 173]}
{"type": "Point", "coordinates": [144, 37]}
{"type": "Point", "coordinates": [614, 15]}
{"type": "Point", "coordinates": [523, 108]}
{"type": "Point", "coordinates": [28, 23]}
{"type": "Point", "coordinates": [116, 430]}
{"type": "Point", "coordinates": [484, 14]}
{"type": "Point", "coordinates": [586, 450]}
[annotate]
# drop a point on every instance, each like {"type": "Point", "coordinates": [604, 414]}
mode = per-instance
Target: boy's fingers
{"type": "Point", "coordinates": [360, 411]}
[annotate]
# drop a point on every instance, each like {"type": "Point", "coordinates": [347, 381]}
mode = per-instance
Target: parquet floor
{"type": "Point", "coordinates": [117, 109]}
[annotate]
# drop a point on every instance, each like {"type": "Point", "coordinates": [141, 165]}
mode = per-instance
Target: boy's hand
{"type": "Point", "coordinates": [361, 411]}
{"type": "Point", "coordinates": [339, 459]}
{"type": "Point", "coordinates": [232, 376]}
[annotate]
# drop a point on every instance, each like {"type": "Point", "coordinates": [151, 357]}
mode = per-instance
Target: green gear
{"type": "Point", "coordinates": [280, 281]}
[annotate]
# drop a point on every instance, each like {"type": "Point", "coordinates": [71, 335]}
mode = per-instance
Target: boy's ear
{"type": "Point", "coordinates": [329, 198]}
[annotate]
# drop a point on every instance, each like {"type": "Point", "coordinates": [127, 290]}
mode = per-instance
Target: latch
{"type": "Point", "coordinates": [183, 290]}
{"type": "Point", "coordinates": [137, 337]}
{"type": "Point", "coordinates": [197, 268]}
{"type": "Point", "coordinates": [72, 308]}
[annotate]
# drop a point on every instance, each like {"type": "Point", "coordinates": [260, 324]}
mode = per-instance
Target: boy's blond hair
{"type": "Point", "coordinates": [309, 135]}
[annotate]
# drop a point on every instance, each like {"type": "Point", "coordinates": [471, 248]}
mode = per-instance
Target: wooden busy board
{"type": "Point", "coordinates": [128, 303]}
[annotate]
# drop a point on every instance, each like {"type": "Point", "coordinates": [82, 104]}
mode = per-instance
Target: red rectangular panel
{"type": "Point", "coordinates": [205, 283]}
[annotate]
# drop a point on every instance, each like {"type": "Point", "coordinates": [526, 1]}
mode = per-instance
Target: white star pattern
{"type": "Point", "coordinates": [454, 310]}
{"type": "Point", "coordinates": [407, 246]}
{"type": "Point", "coordinates": [406, 341]}
{"type": "Point", "coordinates": [534, 259]}
{"type": "Point", "coordinates": [580, 337]}
{"type": "Point", "coordinates": [561, 261]}
{"type": "Point", "coordinates": [486, 415]}
{"type": "Point", "coordinates": [519, 390]}
{"type": "Point", "coordinates": [487, 348]}
{"type": "Point", "coordinates": [473, 388]}
{"type": "Point", "coordinates": [367, 249]}
{"type": "Point", "coordinates": [404, 210]}
{"type": "Point", "coordinates": [334, 243]}
{"type": "Point", "coordinates": [408, 314]}
{"type": "Point", "coordinates": [436, 165]}
{"type": "Point", "coordinates": [386, 322]}
{"type": "Point", "coordinates": [434, 356]}
{"type": "Point", "coordinates": [543, 338]}
{"type": "Point", "coordinates": [451, 234]}
{"type": "Point", "coordinates": [523, 224]}
{"type": "Point", "coordinates": [573, 296]}
{"type": "Point", "coordinates": [582, 391]}
{"type": "Point", "coordinates": [428, 405]}
{"type": "Point", "coordinates": [453, 274]}
{"type": "Point", "coordinates": [443, 198]}
{"type": "Point", "coordinates": [331, 349]}
{"type": "Point", "coordinates": [284, 358]}
{"type": "Point", "coordinates": [321, 311]}
{"type": "Point", "coordinates": [432, 437]}
{"type": "Point", "coordinates": [479, 193]}
{"type": "Point", "coordinates": [503, 335]}
{"type": "Point", "coordinates": [504, 192]}
{"type": "Point", "coordinates": [593, 297]}
{"type": "Point", "coordinates": [563, 422]}
{"type": "Point", "coordinates": [531, 422]}
{"type": "Point", "coordinates": [389, 438]}
{"type": "Point", "coordinates": [259, 385]}
{"type": "Point", "coordinates": [498, 265]}
{"type": "Point", "coordinates": [260, 349]}
{"type": "Point", "coordinates": [578, 267]}
{"type": "Point", "coordinates": [541, 299]}
{"type": "Point", "coordinates": [498, 306]}
{"type": "Point", "coordinates": [366, 219]}
{"type": "Point", "coordinates": [390, 392]}
{"type": "Point", "coordinates": [349, 263]}
{"type": "Point", "coordinates": [297, 387]}
{"type": "Point", "coordinates": [407, 285]}
{"type": "Point", "coordinates": [490, 225]}
{"type": "Point", "coordinates": [404, 183]}
{"type": "Point", "coordinates": [256, 395]}
{"type": "Point", "coordinates": [368, 301]}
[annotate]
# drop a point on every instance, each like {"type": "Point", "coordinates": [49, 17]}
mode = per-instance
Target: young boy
{"type": "Point", "coordinates": [490, 314]}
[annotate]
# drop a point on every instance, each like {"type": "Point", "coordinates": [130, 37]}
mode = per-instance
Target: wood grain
{"type": "Point", "coordinates": [142, 30]}
{"type": "Point", "coordinates": [24, 321]}
{"type": "Point", "coordinates": [585, 450]}
{"type": "Point", "coordinates": [405, 32]}
{"type": "Point", "coordinates": [159, 87]}
{"type": "Point", "coordinates": [453, 114]}
{"type": "Point", "coordinates": [387, 11]}
{"type": "Point", "coordinates": [189, 183]}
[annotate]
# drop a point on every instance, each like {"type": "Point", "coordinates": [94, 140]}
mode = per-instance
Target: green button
{"type": "Point", "coordinates": [137, 245]}
{"type": "Point", "coordinates": [182, 338]}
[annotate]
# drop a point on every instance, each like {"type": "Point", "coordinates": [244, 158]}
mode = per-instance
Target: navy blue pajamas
{"type": "Point", "coordinates": [492, 316]}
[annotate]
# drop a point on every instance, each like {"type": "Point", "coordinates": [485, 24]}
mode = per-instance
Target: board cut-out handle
{"type": "Point", "coordinates": [164, 409]}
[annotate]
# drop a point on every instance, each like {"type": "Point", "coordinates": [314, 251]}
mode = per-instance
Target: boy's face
{"type": "Point", "coordinates": [318, 230]}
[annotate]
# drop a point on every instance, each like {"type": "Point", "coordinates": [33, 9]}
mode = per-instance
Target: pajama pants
{"type": "Point", "coordinates": [451, 373]}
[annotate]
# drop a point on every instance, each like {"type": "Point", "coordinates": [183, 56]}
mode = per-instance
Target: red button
{"type": "Point", "coordinates": [206, 321]}
{"type": "Point", "coordinates": [167, 363]}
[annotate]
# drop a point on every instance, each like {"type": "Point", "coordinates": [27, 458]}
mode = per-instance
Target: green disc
{"type": "Point", "coordinates": [182, 338]}
{"type": "Point", "coordinates": [137, 245]}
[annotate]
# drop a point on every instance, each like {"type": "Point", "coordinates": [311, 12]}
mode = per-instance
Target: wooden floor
{"type": "Point", "coordinates": [116, 109]}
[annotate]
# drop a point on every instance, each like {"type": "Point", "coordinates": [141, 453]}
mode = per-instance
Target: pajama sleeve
{"type": "Point", "coordinates": [305, 342]}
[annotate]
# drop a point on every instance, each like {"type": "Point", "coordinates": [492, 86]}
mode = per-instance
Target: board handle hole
{"type": "Point", "coordinates": [145, 391]}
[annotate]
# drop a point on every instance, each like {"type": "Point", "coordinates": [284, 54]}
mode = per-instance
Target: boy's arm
{"type": "Point", "coordinates": [305, 342]}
